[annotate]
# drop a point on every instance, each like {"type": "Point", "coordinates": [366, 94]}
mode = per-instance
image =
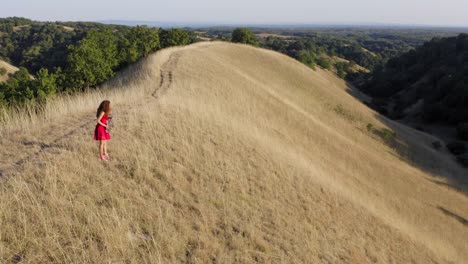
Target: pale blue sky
{"type": "Point", "coordinates": [421, 12]}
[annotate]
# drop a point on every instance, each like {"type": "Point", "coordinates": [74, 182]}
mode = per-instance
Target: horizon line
{"type": "Point", "coordinates": [135, 22]}
{"type": "Point", "coordinates": [285, 24]}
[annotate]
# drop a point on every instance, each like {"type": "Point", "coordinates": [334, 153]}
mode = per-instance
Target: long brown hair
{"type": "Point", "coordinates": [103, 107]}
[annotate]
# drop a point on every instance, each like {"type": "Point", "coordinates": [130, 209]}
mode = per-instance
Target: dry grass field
{"type": "Point", "coordinates": [10, 69]}
{"type": "Point", "coordinates": [226, 153]}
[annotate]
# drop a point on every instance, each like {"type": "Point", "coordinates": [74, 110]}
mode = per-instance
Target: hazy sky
{"type": "Point", "coordinates": [421, 12]}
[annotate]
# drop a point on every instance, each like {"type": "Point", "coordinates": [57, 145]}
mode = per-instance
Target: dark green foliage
{"type": "Point", "coordinates": [222, 37]}
{"type": "Point", "coordinates": [3, 71]}
{"type": "Point", "coordinates": [174, 37]}
{"type": "Point", "coordinates": [324, 63]}
{"type": "Point", "coordinates": [93, 60]}
{"type": "Point", "coordinates": [69, 59]}
{"type": "Point", "coordinates": [317, 50]}
{"type": "Point", "coordinates": [244, 35]}
{"type": "Point", "coordinates": [21, 88]}
{"type": "Point", "coordinates": [332, 45]}
{"type": "Point", "coordinates": [276, 44]}
{"type": "Point", "coordinates": [342, 68]}
{"type": "Point", "coordinates": [45, 84]}
{"type": "Point", "coordinates": [143, 40]}
{"type": "Point", "coordinates": [38, 46]}
{"type": "Point", "coordinates": [7, 24]}
{"type": "Point", "coordinates": [388, 134]}
{"type": "Point", "coordinates": [369, 47]}
{"type": "Point", "coordinates": [436, 72]}
{"type": "Point", "coordinates": [135, 43]}
{"type": "Point", "coordinates": [308, 58]}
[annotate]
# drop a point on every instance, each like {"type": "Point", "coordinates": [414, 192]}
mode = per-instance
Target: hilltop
{"type": "Point", "coordinates": [226, 153]}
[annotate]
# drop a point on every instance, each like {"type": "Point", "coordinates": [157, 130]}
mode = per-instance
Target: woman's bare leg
{"type": "Point", "coordinates": [105, 148]}
{"type": "Point", "coordinates": [101, 148]}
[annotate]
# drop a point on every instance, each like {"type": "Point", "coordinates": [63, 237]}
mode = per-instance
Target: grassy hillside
{"type": "Point", "coordinates": [226, 153]}
{"type": "Point", "coordinates": [10, 69]}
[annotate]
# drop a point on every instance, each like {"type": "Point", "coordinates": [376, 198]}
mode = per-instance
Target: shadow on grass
{"type": "Point", "coordinates": [425, 156]}
{"type": "Point", "coordinates": [418, 150]}
{"type": "Point", "coordinates": [441, 183]}
{"type": "Point", "coordinates": [457, 217]}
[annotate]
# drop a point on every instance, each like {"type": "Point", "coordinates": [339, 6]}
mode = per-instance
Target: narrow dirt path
{"type": "Point", "coordinates": [24, 151]}
{"type": "Point", "coordinates": [166, 75]}
{"type": "Point", "coordinates": [21, 151]}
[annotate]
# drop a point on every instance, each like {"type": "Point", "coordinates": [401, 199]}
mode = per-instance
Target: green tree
{"type": "Point", "coordinates": [45, 84]}
{"type": "Point", "coordinates": [93, 60]}
{"type": "Point", "coordinates": [30, 55]}
{"type": "Point", "coordinates": [3, 71]}
{"type": "Point", "coordinates": [342, 68]}
{"type": "Point", "coordinates": [244, 35]}
{"type": "Point", "coordinates": [324, 63]}
{"type": "Point", "coordinates": [308, 58]}
{"type": "Point", "coordinates": [8, 28]}
{"type": "Point", "coordinates": [19, 89]}
{"type": "Point", "coordinates": [174, 37]}
{"type": "Point", "coordinates": [139, 42]}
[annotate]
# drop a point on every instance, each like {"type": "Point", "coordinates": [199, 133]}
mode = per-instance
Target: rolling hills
{"type": "Point", "coordinates": [226, 153]}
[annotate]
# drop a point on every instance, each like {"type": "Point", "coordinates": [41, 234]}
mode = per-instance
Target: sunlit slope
{"type": "Point", "coordinates": [10, 69]}
{"type": "Point", "coordinates": [227, 153]}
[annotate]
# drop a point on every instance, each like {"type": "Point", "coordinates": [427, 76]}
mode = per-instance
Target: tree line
{"type": "Point", "coordinates": [68, 57]}
{"type": "Point", "coordinates": [435, 74]}
{"type": "Point", "coordinates": [312, 51]}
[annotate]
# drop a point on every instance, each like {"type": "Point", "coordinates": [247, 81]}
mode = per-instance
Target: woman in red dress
{"type": "Point", "coordinates": [101, 133]}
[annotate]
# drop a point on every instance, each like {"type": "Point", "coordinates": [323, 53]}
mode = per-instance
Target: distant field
{"type": "Point", "coordinates": [67, 28]}
{"type": "Point", "coordinates": [19, 28]}
{"type": "Point", "coordinates": [266, 35]}
{"type": "Point", "coordinates": [10, 70]}
{"type": "Point", "coordinates": [225, 153]}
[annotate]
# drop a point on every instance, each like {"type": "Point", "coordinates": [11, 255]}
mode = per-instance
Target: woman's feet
{"type": "Point", "coordinates": [104, 157]}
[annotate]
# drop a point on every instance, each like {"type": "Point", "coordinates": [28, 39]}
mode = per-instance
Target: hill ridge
{"type": "Point", "coordinates": [211, 163]}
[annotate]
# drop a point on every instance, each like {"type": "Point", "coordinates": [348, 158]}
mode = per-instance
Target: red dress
{"type": "Point", "coordinates": [100, 132]}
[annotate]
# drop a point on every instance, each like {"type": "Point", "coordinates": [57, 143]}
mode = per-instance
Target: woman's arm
{"type": "Point", "coordinates": [99, 120]}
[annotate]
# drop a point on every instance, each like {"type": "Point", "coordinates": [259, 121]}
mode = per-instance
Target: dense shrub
{"type": "Point", "coordinates": [137, 42]}
{"type": "Point", "coordinates": [244, 35]}
{"type": "Point", "coordinates": [92, 60]}
{"type": "Point", "coordinates": [21, 88]}
{"type": "Point", "coordinates": [174, 37]}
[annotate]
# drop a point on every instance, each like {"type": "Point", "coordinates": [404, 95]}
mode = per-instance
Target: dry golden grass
{"type": "Point", "coordinates": [354, 68]}
{"type": "Point", "coordinates": [225, 153]}
{"type": "Point", "coordinates": [10, 69]}
{"type": "Point", "coordinates": [67, 28]}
